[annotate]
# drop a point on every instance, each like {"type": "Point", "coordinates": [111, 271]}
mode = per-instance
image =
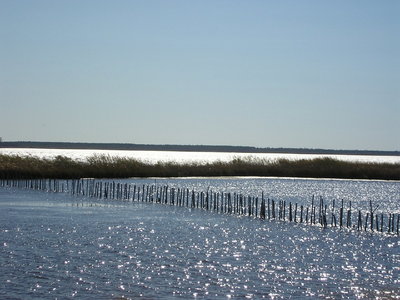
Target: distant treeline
{"type": "Point", "coordinates": [23, 167]}
{"type": "Point", "coordinates": [193, 148]}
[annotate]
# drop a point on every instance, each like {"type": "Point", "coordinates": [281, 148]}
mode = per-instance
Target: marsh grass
{"type": "Point", "coordinates": [25, 167]}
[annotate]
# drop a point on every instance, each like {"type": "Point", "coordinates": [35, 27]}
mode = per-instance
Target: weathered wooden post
{"type": "Point", "coordinates": [273, 208]}
{"type": "Point", "coordinates": [262, 209]}
{"type": "Point", "coordinates": [341, 216]}
{"type": "Point", "coordinates": [301, 214]}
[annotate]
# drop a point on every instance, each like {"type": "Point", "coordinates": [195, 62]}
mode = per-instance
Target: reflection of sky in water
{"type": "Point", "coordinates": [54, 245]}
{"type": "Point", "coordinates": [179, 156]}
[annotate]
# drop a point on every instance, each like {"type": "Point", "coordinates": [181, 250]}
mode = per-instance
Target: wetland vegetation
{"type": "Point", "coordinates": [104, 166]}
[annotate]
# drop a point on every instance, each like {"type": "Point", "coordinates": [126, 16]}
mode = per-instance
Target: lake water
{"type": "Point", "coordinates": [187, 157]}
{"type": "Point", "coordinates": [62, 246]}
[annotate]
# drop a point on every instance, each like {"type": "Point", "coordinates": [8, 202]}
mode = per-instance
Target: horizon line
{"type": "Point", "coordinates": [217, 147]}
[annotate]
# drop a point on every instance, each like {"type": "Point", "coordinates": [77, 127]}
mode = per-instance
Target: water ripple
{"type": "Point", "coordinates": [137, 250]}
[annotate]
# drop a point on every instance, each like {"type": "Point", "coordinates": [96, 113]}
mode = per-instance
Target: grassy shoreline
{"type": "Point", "coordinates": [61, 167]}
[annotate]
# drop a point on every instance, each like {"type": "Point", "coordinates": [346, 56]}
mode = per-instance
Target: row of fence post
{"type": "Point", "coordinates": [319, 213]}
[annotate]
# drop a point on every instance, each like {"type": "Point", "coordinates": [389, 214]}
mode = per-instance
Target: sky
{"type": "Point", "coordinates": [301, 74]}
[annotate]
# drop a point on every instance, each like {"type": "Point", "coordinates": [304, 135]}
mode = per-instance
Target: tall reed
{"type": "Point", "coordinates": [24, 167]}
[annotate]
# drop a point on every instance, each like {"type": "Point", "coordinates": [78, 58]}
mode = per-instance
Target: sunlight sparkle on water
{"type": "Point", "coordinates": [119, 249]}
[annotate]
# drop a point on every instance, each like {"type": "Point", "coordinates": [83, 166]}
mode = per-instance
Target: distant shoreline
{"type": "Point", "coordinates": [188, 148]}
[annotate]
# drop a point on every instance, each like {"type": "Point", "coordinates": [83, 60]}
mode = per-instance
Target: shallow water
{"type": "Point", "coordinates": [188, 156]}
{"type": "Point", "coordinates": [60, 246]}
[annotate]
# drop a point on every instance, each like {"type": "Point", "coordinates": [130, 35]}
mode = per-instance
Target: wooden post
{"type": "Point", "coordinates": [321, 212]}
{"type": "Point", "coordinates": [262, 209]}
{"type": "Point", "coordinates": [301, 213]}
{"type": "Point", "coordinates": [273, 208]}
{"type": "Point", "coordinates": [341, 216]}
{"type": "Point", "coordinates": [393, 222]}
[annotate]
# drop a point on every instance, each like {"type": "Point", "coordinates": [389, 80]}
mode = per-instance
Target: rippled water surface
{"type": "Point", "coordinates": [187, 156]}
{"type": "Point", "coordinates": [60, 246]}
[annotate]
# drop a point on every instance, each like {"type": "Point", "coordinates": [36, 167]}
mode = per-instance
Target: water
{"type": "Point", "coordinates": [60, 246]}
{"type": "Point", "coordinates": [188, 157]}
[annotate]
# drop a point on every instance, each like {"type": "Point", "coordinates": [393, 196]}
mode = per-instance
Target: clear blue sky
{"type": "Point", "coordinates": [317, 74]}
